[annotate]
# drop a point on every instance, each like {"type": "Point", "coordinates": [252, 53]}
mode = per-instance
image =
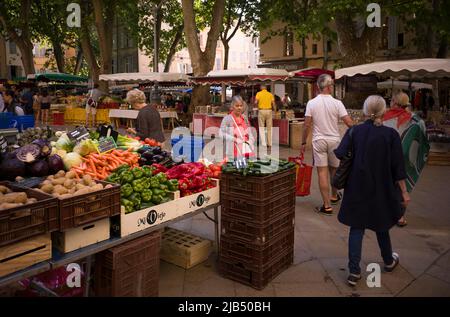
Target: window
{"type": "Point", "coordinates": [400, 40]}
{"type": "Point", "coordinates": [289, 44]}
{"type": "Point", "coordinates": [329, 46]}
{"type": "Point", "coordinates": [218, 63]}
{"type": "Point", "coordinates": [314, 49]}
{"type": "Point", "coordinates": [12, 48]}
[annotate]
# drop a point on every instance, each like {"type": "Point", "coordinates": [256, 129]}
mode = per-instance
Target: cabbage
{"type": "Point", "coordinates": [64, 143]}
{"type": "Point", "coordinates": [72, 159]}
{"type": "Point", "coordinates": [85, 147]}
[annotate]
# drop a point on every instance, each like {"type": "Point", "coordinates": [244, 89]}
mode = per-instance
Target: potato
{"type": "Point", "coordinates": [60, 174]}
{"type": "Point", "coordinates": [51, 177]}
{"type": "Point", "coordinates": [69, 183]}
{"type": "Point", "coordinates": [70, 175]}
{"type": "Point", "coordinates": [14, 198]}
{"type": "Point", "coordinates": [31, 200]}
{"type": "Point", "coordinates": [80, 186]}
{"type": "Point", "coordinates": [82, 191]}
{"type": "Point", "coordinates": [109, 186]}
{"type": "Point", "coordinates": [65, 196]}
{"type": "Point", "coordinates": [87, 180]}
{"type": "Point", "coordinates": [19, 178]}
{"type": "Point", "coordinates": [72, 190]}
{"type": "Point", "coordinates": [4, 189]}
{"type": "Point", "coordinates": [58, 181]}
{"type": "Point", "coordinates": [61, 190]}
{"type": "Point", "coordinates": [46, 182]}
{"type": "Point", "coordinates": [96, 187]}
{"type": "Point", "coordinates": [48, 188]}
{"type": "Point", "coordinates": [4, 206]}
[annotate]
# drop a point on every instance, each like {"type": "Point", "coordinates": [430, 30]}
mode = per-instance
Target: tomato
{"type": "Point", "coordinates": [216, 174]}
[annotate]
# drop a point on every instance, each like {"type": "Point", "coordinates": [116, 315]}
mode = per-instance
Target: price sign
{"type": "Point", "coordinates": [79, 134]}
{"type": "Point", "coordinates": [106, 145]}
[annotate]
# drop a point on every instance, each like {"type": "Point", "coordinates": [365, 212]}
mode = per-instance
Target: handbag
{"type": "Point", "coordinates": [345, 166]}
{"type": "Point", "coordinates": [304, 176]}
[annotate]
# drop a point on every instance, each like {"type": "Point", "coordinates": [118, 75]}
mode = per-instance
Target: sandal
{"type": "Point", "coordinates": [338, 198]}
{"type": "Point", "coordinates": [402, 223]}
{"type": "Point", "coordinates": [326, 211]}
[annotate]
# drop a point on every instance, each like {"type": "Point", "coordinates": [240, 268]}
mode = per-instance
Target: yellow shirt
{"type": "Point", "coordinates": [265, 100]}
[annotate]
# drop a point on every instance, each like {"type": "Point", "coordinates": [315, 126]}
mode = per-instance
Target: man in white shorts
{"type": "Point", "coordinates": [323, 114]}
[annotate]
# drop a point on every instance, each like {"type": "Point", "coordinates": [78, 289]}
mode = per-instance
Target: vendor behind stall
{"type": "Point", "coordinates": [235, 131]}
{"type": "Point", "coordinates": [148, 121]}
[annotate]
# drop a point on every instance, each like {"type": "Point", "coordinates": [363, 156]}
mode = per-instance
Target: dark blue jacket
{"type": "Point", "coordinates": [372, 197]}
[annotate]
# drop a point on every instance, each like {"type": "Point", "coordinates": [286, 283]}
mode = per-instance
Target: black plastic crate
{"type": "Point", "coordinates": [258, 279]}
{"type": "Point", "coordinates": [130, 269]}
{"type": "Point", "coordinates": [29, 220]}
{"type": "Point", "coordinates": [257, 233]}
{"type": "Point", "coordinates": [83, 209]}
{"type": "Point", "coordinates": [256, 210]}
{"type": "Point", "coordinates": [255, 256]}
{"type": "Point", "coordinates": [254, 187]}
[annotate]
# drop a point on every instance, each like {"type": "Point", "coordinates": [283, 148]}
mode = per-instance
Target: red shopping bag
{"type": "Point", "coordinates": [304, 176]}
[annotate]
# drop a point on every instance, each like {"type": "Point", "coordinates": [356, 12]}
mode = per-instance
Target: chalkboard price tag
{"type": "Point", "coordinates": [106, 145]}
{"type": "Point", "coordinates": [79, 134]}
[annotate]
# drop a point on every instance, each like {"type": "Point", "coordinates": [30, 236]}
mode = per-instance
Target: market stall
{"type": "Point", "coordinates": [145, 79]}
{"type": "Point", "coordinates": [83, 193]}
{"type": "Point", "coordinates": [246, 82]}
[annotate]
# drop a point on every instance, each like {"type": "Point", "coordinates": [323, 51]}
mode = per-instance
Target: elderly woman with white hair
{"type": "Point", "coordinates": [148, 121]}
{"type": "Point", "coordinates": [235, 130]}
{"type": "Point", "coordinates": [375, 193]}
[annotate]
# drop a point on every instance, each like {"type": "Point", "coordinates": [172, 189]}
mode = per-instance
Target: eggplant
{"type": "Point", "coordinates": [157, 150]}
{"type": "Point", "coordinates": [158, 158]}
{"type": "Point", "coordinates": [165, 154]}
{"type": "Point", "coordinates": [143, 161]}
{"type": "Point", "coordinates": [148, 155]}
{"type": "Point", "coordinates": [143, 149]}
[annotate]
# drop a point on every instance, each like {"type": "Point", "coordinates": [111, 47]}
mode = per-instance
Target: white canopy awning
{"type": "Point", "coordinates": [397, 84]}
{"type": "Point", "coordinates": [248, 72]}
{"type": "Point", "coordinates": [416, 68]}
{"type": "Point", "coordinates": [145, 77]}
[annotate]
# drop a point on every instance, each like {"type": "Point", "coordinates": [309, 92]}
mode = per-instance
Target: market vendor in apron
{"type": "Point", "coordinates": [235, 130]}
{"type": "Point", "coordinates": [413, 134]}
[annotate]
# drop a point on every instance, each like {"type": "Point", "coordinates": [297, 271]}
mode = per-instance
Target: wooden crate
{"type": "Point", "coordinates": [439, 159]}
{"type": "Point", "coordinates": [184, 249]}
{"type": "Point", "coordinates": [146, 218]}
{"type": "Point", "coordinates": [20, 255]}
{"type": "Point", "coordinates": [77, 238]}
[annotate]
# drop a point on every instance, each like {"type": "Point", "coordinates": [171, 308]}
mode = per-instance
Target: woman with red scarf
{"type": "Point", "coordinates": [235, 130]}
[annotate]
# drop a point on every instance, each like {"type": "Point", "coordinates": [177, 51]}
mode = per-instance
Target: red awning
{"type": "Point", "coordinates": [312, 73]}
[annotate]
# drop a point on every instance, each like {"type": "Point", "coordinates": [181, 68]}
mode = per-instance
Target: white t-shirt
{"type": "Point", "coordinates": [325, 112]}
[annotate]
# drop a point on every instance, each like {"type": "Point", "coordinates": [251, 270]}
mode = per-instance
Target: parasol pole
{"type": "Point", "coordinates": [410, 87]}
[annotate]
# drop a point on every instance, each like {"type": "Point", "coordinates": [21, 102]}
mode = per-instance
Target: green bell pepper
{"type": "Point", "coordinates": [148, 171]}
{"type": "Point", "coordinates": [157, 199]}
{"type": "Point", "coordinates": [165, 200]}
{"type": "Point", "coordinates": [113, 178]}
{"type": "Point", "coordinates": [157, 191]}
{"type": "Point", "coordinates": [162, 178]}
{"type": "Point", "coordinates": [146, 195]}
{"type": "Point", "coordinates": [128, 204]}
{"type": "Point", "coordinates": [137, 172]}
{"type": "Point", "coordinates": [122, 168]}
{"type": "Point", "coordinates": [147, 205]}
{"type": "Point", "coordinates": [126, 177]}
{"type": "Point", "coordinates": [126, 190]}
{"type": "Point", "coordinates": [154, 182]}
{"type": "Point", "coordinates": [138, 185]}
{"type": "Point", "coordinates": [163, 187]}
{"type": "Point", "coordinates": [135, 198]}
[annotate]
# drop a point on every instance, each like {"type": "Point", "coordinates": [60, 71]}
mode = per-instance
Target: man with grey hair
{"type": "Point", "coordinates": [322, 115]}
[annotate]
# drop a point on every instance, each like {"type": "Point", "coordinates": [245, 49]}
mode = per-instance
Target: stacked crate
{"type": "Point", "coordinates": [257, 220]}
{"type": "Point", "coordinates": [130, 269]}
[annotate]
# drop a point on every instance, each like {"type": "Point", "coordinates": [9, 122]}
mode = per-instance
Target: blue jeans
{"type": "Point", "coordinates": [355, 245]}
